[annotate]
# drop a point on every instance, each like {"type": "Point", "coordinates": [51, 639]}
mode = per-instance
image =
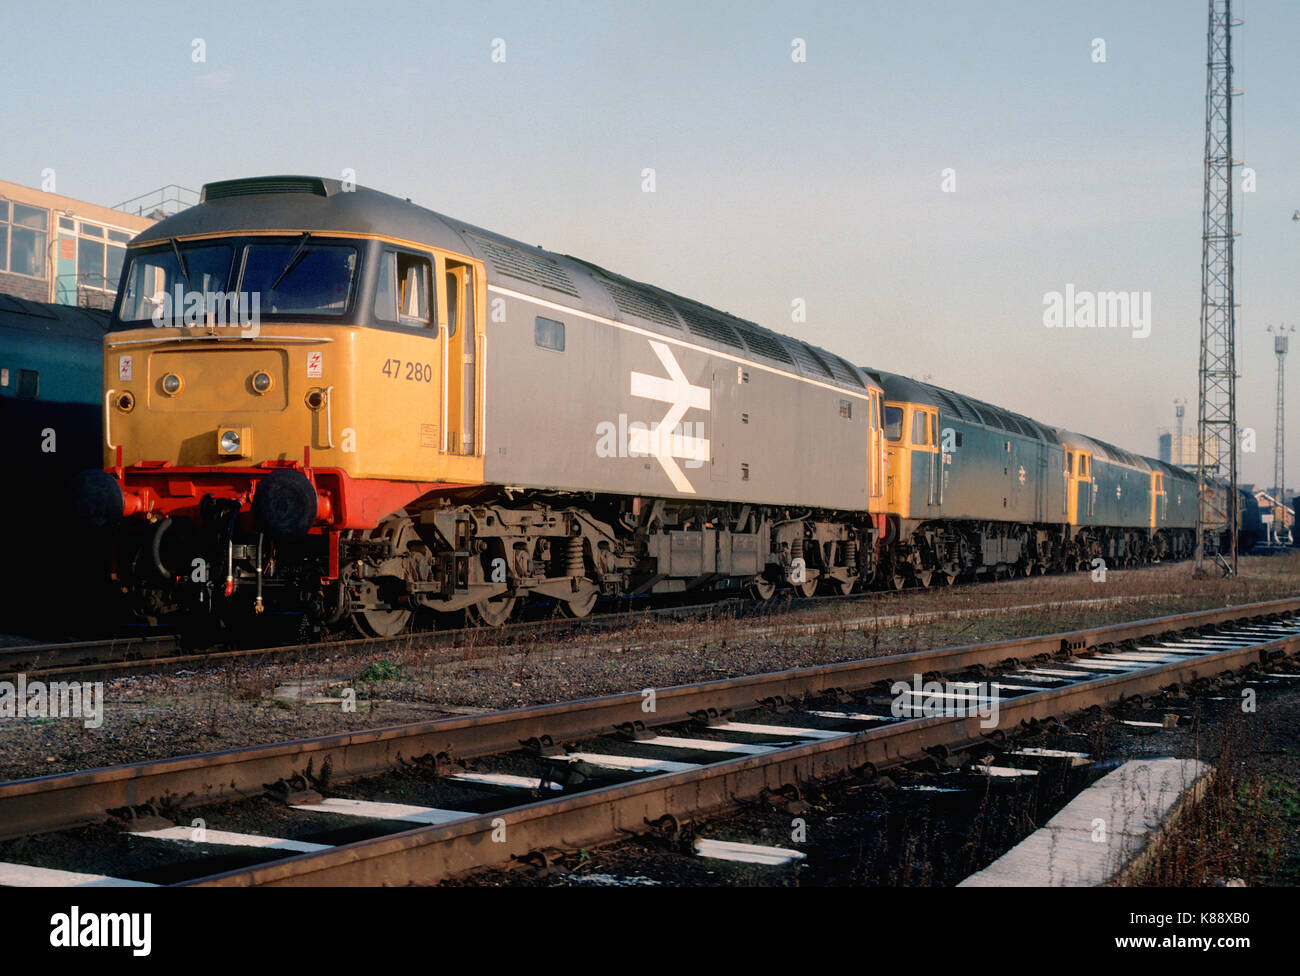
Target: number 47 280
{"type": "Point", "coordinates": [416, 372]}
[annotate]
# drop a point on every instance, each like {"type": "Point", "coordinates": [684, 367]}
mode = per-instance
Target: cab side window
{"type": "Point", "coordinates": [920, 429]}
{"type": "Point", "coordinates": [402, 293]}
{"type": "Point", "coordinates": [453, 304]}
{"type": "Point", "coordinates": [893, 423]}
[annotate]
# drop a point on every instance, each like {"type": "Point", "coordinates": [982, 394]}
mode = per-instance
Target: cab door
{"type": "Point", "coordinates": [898, 474]}
{"type": "Point", "coordinates": [876, 454]}
{"type": "Point", "coordinates": [462, 305]}
{"type": "Point", "coordinates": [1159, 501]}
{"type": "Point", "coordinates": [927, 468]}
{"type": "Point", "coordinates": [936, 459]}
{"type": "Point", "coordinates": [1041, 484]}
{"type": "Point", "coordinates": [1078, 473]}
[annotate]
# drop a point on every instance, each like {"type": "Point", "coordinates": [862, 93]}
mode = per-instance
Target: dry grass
{"type": "Point", "coordinates": [1238, 831]}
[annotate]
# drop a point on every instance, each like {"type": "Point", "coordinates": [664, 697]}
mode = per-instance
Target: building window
{"type": "Point", "coordinates": [90, 263]}
{"type": "Point", "coordinates": [100, 254]}
{"type": "Point", "coordinates": [26, 229]}
{"type": "Point", "coordinates": [846, 409]}
{"type": "Point", "coordinates": [549, 334]}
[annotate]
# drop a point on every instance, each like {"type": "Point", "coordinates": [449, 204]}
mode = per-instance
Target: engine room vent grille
{"type": "Point", "coordinates": [807, 359]}
{"type": "Point", "coordinates": [993, 417]}
{"type": "Point", "coordinates": [516, 263]}
{"type": "Point", "coordinates": [1121, 455]}
{"type": "Point", "coordinates": [956, 407]}
{"type": "Point", "coordinates": [764, 343]}
{"type": "Point", "coordinates": [1049, 435]}
{"type": "Point", "coordinates": [842, 371]}
{"type": "Point", "coordinates": [265, 184]}
{"type": "Point", "coordinates": [640, 302]}
{"type": "Point", "coordinates": [1010, 424]}
{"type": "Point", "coordinates": [710, 326]}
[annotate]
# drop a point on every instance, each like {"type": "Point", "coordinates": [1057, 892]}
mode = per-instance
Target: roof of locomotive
{"type": "Point", "coordinates": [1172, 470]}
{"type": "Point", "coordinates": [40, 318]}
{"type": "Point", "coordinates": [305, 203]}
{"type": "Point", "coordinates": [954, 404]}
{"type": "Point", "coordinates": [1101, 450]}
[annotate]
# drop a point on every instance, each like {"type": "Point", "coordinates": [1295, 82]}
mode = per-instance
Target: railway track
{"type": "Point", "coordinates": [117, 657]}
{"type": "Point", "coordinates": [492, 789]}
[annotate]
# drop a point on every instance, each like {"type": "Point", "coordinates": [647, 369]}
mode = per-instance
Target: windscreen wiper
{"type": "Point", "coordinates": [293, 260]}
{"type": "Point", "coordinates": [180, 260]}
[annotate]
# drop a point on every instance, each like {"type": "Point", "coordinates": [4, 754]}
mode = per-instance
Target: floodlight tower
{"type": "Point", "coordinates": [1180, 408]}
{"type": "Point", "coordinates": [1279, 447]}
{"type": "Point", "coordinates": [1216, 455]}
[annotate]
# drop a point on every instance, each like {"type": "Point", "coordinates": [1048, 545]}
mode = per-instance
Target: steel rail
{"type": "Point", "coordinates": [428, 855]}
{"type": "Point", "coordinates": [160, 662]}
{"type": "Point", "coordinates": [104, 659]}
{"type": "Point", "coordinates": [45, 657]}
{"type": "Point", "coordinates": [112, 658]}
{"type": "Point", "coordinates": [65, 800]}
{"type": "Point", "coordinates": [116, 657]}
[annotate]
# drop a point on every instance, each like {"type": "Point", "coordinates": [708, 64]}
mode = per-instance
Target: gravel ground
{"type": "Point", "coordinates": [155, 717]}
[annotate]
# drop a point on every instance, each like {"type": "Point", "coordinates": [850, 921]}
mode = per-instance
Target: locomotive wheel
{"type": "Point", "coordinates": [492, 612]}
{"type": "Point", "coordinates": [843, 587]}
{"type": "Point", "coordinates": [580, 606]}
{"type": "Point", "coordinates": [898, 581]}
{"type": "Point", "coordinates": [924, 577]}
{"type": "Point", "coordinates": [762, 589]}
{"type": "Point", "coordinates": [381, 623]}
{"type": "Point", "coordinates": [805, 589]}
{"type": "Point", "coordinates": [399, 530]}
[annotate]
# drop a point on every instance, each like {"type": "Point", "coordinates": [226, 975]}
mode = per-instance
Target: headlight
{"type": "Point", "coordinates": [261, 382]}
{"type": "Point", "coordinates": [172, 384]}
{"type": "Point", "coordinates": [235, 441]}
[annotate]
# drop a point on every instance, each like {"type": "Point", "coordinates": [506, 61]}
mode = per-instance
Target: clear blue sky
{"type": "Point", "coordinates": [775, 180]}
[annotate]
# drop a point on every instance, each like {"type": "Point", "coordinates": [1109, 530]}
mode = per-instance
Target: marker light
{"type": "Point", "coordinates": [261, 382]}
{"type": "Point", "coordinates": [172, 384]}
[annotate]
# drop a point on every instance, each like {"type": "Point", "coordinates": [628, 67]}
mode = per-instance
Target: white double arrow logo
{"type": "Point", "coordinates": [665, 441]}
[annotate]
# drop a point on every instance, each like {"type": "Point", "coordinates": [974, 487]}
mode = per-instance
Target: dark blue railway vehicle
{"type": "Point", "coordinates": [50, 429]}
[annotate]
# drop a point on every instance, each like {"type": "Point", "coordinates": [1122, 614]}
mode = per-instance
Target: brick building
{"type": "Point", "coordinates": [57, 249]}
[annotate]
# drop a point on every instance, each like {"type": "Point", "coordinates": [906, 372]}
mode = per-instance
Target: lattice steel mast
{"type": "Point", "coordinates": [1217, 413]}
{"type": "Point", "coordinates": [1280, 342]}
